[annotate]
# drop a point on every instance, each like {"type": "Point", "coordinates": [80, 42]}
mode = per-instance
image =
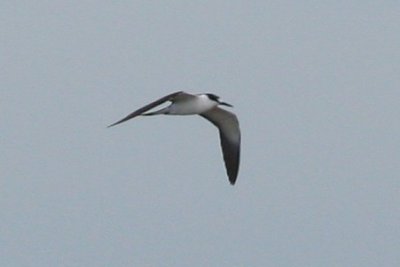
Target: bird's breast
{"type": "Point", "coordinates": [191, 107]}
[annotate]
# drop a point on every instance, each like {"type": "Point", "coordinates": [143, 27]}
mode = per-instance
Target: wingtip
{"type": "Point", "coordinates": [116, 123]}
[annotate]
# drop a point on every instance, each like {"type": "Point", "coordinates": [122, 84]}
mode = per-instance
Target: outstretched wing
{"type": "Point", "coordinates": [141, 110]}
{"type": "Point", "coordinates": [229, 133]}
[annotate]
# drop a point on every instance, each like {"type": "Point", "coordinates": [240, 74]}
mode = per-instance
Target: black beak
{"type": "Point", "coordinates": [225, 104]}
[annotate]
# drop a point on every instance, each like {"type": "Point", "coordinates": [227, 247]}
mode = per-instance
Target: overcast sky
{"type": "Point", "coordinates": [315, 85]}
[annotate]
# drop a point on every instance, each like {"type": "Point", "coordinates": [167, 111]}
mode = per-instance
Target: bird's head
{"type": "Point", "coordinates": [216, 99]}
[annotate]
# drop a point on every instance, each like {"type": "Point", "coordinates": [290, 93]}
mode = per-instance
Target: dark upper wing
{"type": "Point", "coordinates": [148, 107]}
{"type": "Point", "coordinates": [229, 133]}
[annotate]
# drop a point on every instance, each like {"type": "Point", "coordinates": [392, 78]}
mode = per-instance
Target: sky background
{"type": "Point", "coordinates": [315, 85]}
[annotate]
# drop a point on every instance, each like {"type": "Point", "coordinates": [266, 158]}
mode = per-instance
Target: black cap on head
{"type": "Point", "coordinates": [216, 99]}
{"type": "Point", "coordinates": [213, 97]}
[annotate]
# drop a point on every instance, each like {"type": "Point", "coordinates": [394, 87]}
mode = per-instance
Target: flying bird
{"type": "Point", "coordinates": [207, 106]}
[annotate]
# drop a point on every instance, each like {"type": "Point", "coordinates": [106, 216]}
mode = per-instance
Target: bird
{"type": "Point", "coordinates": [206, 105]}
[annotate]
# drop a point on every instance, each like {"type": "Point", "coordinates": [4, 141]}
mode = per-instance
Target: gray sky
{"type": "Point", "coordinates": [316, 87]}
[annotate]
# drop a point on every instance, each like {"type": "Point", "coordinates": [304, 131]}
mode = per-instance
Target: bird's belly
{"type": "Point", "coordinates": [191, 107]}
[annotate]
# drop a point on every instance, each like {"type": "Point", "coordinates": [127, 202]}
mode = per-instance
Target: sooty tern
{"type": "Point", "coordinates": [207, 106]}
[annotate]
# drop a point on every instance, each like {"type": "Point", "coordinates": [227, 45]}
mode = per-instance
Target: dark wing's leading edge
{"type": "Point", "coordinates": [229, 133]}
{"type": "Point", "coordinates": [148, 107]}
